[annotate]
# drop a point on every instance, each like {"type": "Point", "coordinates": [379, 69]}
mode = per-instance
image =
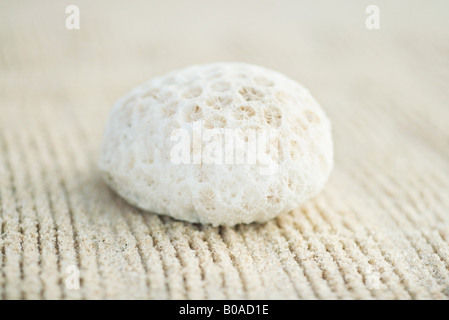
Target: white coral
{"type": "Point", "coordinates": [135, 155]}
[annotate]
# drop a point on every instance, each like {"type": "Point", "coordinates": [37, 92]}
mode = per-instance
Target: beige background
{"type": "Point", "coordinates": [380, 229]}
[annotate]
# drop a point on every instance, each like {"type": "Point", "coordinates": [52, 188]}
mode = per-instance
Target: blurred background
{"type": "Point", "coordinates": [385, 90]}
{"type": "Point", "coordinates": [324, 45]}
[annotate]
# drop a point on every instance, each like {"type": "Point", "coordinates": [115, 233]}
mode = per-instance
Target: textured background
{"type": "Point", "coordinates": [380, 229]}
